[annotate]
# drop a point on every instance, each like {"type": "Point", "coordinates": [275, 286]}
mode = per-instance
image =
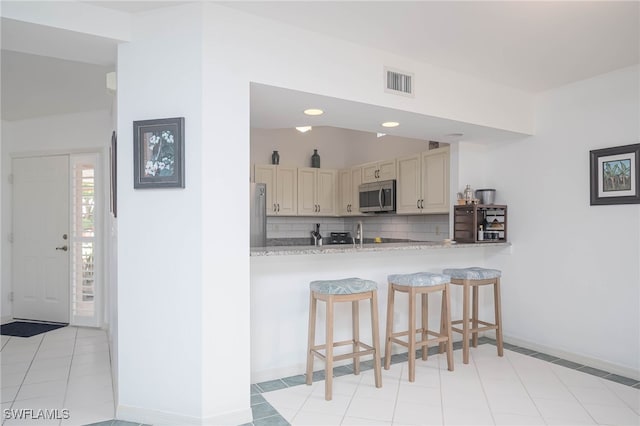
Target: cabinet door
{"type": "Point", "coordinates": [326, 191]}
{"type": "Point", "coordinates": [356, 180]}
{"type": "Point", "coordinates": [307, 205]}
{"type": "Point", "coordinates": [345, 191]}
{"type": "Point", "coordinates": [287, 191]}
{"type": "Point", "coordinates": [408, 188]}
{"type": "Point", "coordinates": [387, 170]}
{"type": "Point", "coordinates": [435, 181]}
{"type": "Point", "coordinates": [369, 172]}
{"type": "Point", "coordinates": [267, 174]}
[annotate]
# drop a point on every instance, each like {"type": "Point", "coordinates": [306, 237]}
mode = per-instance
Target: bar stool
{"type": "Point", "coordinates": [421, 283]}
{"type": "Point", "coordinates": [475, 277]}
{"type": "Point", "coordinates": [345, 290]}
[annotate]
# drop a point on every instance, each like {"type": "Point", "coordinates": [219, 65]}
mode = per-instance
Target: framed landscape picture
{"type": "Point", "coordinates": [614, 175]}
{"type": "Point", "coordinates": [158, 156]}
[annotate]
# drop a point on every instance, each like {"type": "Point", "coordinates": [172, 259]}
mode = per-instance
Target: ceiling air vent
{"type": "Point", "coordinates": [398, 82]}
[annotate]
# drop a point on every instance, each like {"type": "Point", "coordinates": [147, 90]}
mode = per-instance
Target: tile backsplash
{"type": "Point", "coordinates": [416, 228]}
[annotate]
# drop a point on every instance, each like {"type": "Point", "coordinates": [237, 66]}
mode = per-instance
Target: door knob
{"type": "Point", "coordinates": [63, 248]}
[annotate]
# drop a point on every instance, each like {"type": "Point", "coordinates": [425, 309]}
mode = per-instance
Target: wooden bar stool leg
{"type": "Point", "coordinates": [443, 323]}
{"type": "Point", "coordinates": [412, 335]}
{"type": "Point", "coordinates": [389, 331]}
{"type": "Point", "coordinates": [474, 316]}
{"type": "Point", "coordinates": [498, 314]}
{"type": "Point", "coordinates": [376, 338]}
{"type": "Point", "coordinates": [465, 322]}
{"type": "Point", "coordinates": [355, 317]}
{"type": "Point", "coordinates": [312, 337]}
{"type": "Point", "coordinates": [425, 324]}
{"type": "Point", "coordinates": [328, 369]}
{"type": "Point", "coordinates": [446, 321]}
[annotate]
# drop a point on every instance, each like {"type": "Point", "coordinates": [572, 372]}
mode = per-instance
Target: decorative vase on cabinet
{"type": "Point", "coordinates": [275, 158]}
{"type": "Point", "coordinates": [315, 159]}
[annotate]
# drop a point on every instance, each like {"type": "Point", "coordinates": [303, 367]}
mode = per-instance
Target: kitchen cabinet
{"type": "Point", "coordinates": [282, 188]}
{"type": "Point", "coordinates": [379, 170]}
{"type": "Point", "coordinates": [423, 182]}
{"type": "Point", "coordinates": [349, 181]}
{"type": "Point", "coordinates": [317, 192]}
{"type": "Point", "coordinates": [480, 223]}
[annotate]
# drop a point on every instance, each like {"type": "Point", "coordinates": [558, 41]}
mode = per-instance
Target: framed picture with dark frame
{"type": "Point", "coordinates": [615, 175]}
{"type": "Point", "coordinates": [158, 153]}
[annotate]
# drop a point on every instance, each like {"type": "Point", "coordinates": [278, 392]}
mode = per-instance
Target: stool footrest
{"type": "Point", "coordinates": [438, 339]}
{"type": "Point", "coordinates": [476, 330]}
{"type": "Point", "coordinates": [368, 351]}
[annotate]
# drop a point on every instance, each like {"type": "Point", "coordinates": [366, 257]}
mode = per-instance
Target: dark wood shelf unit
{"type": "Point", "coordinates": [469, 217]}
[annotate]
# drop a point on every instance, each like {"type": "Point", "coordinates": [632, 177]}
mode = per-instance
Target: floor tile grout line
{"type": "Point", "coordinates": [527, 390]}
{"type": "Point", "coordinates": [441, 396]}
{"type": "Point", "coordinates": [573, 395]}
{"type": "Point", "coordinates": [66, 389]}
{"type": "Point", "coordinates": [26, 372]}
{"type": "Point", "coordinates": [395, 405]}
{"type": "Point", "coordinates": [484, 392]}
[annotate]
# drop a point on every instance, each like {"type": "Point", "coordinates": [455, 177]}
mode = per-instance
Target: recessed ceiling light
{"type": "Point", "coordinates": [455, 135]}
{"type": "Point", "coordinates": [390, 124]}
{"type": "Point", "coordinates": [313, 111]}
{"type": "Point", "coordinates": [303, 129]}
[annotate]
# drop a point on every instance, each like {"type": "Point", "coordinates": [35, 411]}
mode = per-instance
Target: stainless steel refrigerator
{"type": "Point", "coordinates": [258, 211]}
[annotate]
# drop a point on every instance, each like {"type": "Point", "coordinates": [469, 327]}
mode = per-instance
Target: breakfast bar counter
{"type": "Point", "coordinates": [374, 247]}
{"type": "Point", "coordinates": [279, 291]}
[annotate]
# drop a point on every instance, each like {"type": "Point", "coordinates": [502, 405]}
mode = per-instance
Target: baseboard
{"type": "Point", "coordinates": [155, 417]}
{"type": "Point", "coordinates": [570, 356]}
{"type": "Point", "coordinates": [4, 320]}
{"type": "Point", "coordinates": [238, 417]}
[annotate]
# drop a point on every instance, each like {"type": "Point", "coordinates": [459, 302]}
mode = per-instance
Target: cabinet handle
{"type": "Point", "coordinates": [417, 204]}
{"type": "Point", "coordinates": [318, 208]}
{"type": "Point", "coordinates": [274, 207]}
{"type": "Point", "coordinates": [278, 207]}
{"type": "Point", "coordinates": [422, 204]}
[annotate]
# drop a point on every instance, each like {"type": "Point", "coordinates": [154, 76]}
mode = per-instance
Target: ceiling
{"type": "Point", "coordinates": [529, 45]}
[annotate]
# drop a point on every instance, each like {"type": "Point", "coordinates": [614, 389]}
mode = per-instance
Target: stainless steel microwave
{"type": "Point", "coordinates": [378, 197]}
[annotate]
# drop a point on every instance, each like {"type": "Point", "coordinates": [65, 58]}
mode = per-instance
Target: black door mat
{"type": "Point", "coordinates": [28, 329]}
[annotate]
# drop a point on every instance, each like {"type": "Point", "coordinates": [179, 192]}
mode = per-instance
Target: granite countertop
{"type": "Point", "coordinates": [371, 247]}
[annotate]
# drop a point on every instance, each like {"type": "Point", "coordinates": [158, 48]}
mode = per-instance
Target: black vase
{"type": "Point", "coordinates": [315, 159]}
{"type": "Point", "coordinates": [275, 158]}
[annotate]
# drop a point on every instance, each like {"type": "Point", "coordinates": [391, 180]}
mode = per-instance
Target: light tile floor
{"type": "Point", "coordinates": [68, 368]}
{"type": "Point", "coordinates": [517, 389]}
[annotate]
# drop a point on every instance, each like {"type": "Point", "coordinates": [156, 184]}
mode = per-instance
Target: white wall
{"type": "Point", "coordinates": [159, 234]}
{"type": "Point", "coordinates": [573, 280]}
{"type": "Point", "coordinates": [52, 134]}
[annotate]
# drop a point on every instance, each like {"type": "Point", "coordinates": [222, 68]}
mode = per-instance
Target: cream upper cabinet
{"type": "Point", "coordinates": [349, 181]}
{"type": "Point", "coordinates": [435, 181]}
{"type": "Point", "coordinates": [317, 193]}
{"type": "Point", "coordinates": [408, 185]}
{"type": "Point", "coordinates": [423, 182]}
{"type": "Point", "coordinates": [379, 170]}
{"type": "Point", "coordinates": [282, 189]}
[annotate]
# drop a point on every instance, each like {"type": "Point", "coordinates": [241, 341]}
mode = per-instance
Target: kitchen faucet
{"type": "Point", "coordinates": [359, 234]}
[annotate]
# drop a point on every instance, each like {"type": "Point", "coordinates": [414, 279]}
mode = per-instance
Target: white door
{"type": "Point", "coordinates": [40, 238]}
